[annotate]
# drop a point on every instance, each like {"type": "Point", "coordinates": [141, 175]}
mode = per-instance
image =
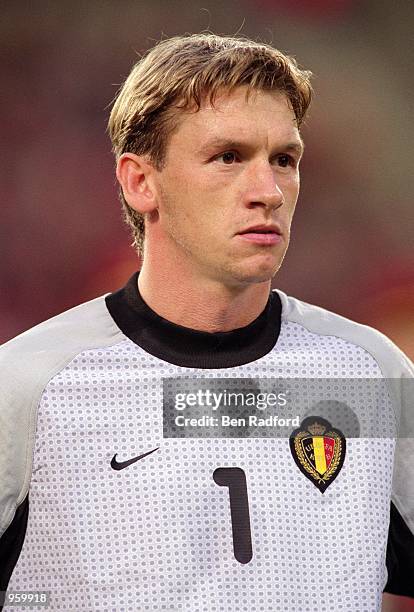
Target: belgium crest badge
{"type": "Point", "coordinates": [318, 450]}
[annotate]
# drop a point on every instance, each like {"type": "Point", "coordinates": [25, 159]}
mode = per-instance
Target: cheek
{"type": "Point", "coordinates": [291, 190]}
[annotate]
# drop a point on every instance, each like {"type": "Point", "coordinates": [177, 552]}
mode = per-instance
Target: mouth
{"type": "Point", "coordinates": [266, 235]}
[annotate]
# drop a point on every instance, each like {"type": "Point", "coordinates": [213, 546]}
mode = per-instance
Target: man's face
{"type": "Point", "coordinates": [228, 190]}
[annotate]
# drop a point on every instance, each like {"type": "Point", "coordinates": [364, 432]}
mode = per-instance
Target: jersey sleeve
{"type": "Point", "coordinates": [398, 371]}
{"type": "Point", "coordinates": [27, 364]}
{"type": "Point", "coordinates": [400, 550]}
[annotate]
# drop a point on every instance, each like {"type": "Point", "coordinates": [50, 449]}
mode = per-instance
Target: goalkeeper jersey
{"type": "Point", "coordinates": [146, 466]}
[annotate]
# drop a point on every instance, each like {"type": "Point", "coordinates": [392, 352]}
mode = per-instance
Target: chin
{"type": "Point", "coordinates": [264, 270]}
{"type": "Point", "coordinates": [255, 269]}
{"type": "Point", "coordinates": [256, 274]}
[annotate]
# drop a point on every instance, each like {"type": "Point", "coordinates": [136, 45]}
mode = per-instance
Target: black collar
{"type": "Point", "coordinates": [191, 348]}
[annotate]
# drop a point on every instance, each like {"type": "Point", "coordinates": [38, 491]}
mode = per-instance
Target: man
{"type": "Point", "coordinates": [135, 426]}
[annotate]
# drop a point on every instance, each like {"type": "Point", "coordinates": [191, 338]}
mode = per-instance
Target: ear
{"type": "Point", "coordinates": [135, 175]}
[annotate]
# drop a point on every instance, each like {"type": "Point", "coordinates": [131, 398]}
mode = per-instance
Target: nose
{"type": "Point", "coordinates": [264, 189]}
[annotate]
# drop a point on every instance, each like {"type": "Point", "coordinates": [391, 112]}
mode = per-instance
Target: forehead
{"type": "Point", "coordinates": [257, 115]}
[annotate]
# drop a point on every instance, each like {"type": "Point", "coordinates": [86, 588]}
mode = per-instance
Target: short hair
{"type": "Point", "coordinates": [179, 73]}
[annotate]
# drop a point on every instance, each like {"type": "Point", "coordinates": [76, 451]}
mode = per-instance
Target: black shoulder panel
{"type": "Point", "coordinates": [400, 556]}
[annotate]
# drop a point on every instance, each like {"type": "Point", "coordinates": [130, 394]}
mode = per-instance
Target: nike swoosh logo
{"type": "Point", "coordinates": [120, 465]}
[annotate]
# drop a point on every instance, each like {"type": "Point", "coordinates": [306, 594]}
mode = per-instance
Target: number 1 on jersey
{"type": "Point", "coordinates": [235, 479]}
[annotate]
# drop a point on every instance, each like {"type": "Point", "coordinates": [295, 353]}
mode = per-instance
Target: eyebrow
{"type": "Point", "coordinates": [227, 143]}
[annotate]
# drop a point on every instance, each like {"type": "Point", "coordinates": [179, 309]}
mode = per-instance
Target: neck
{"type": "Point", "coordinates": [189, 300]}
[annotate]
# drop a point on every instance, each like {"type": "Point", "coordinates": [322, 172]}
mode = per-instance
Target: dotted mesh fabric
{"type": "Point", "coordinates": [158, 534]}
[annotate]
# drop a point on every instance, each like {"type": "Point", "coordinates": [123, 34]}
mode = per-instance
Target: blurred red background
{"type": "Point", "coordinates": [63, 239]}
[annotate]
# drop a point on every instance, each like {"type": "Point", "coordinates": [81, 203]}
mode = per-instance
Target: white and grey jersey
{"type": "Point", "coordinates": [108, 503]}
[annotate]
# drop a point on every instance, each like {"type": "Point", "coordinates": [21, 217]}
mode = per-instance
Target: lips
{"type": "Point", "coordinates": [262, 229]}
{"type": "Point", "coordinates": [263, 235]}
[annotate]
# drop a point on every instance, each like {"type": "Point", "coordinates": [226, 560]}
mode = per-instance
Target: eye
{"type": "Point", "coordinates": [285, 160]}
{"type": "Point", "coordinates": [228, 157]}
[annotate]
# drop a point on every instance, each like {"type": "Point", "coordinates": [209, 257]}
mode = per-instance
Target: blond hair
{"type": "Point", "coordinates": [180, 73]}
